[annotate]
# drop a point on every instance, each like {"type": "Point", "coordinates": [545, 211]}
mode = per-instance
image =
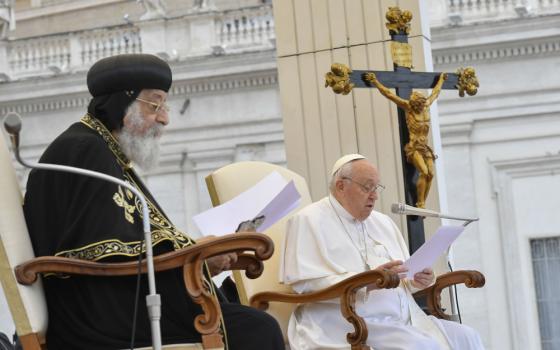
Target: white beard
{"type": "Point", "coordinates": [142, 149]}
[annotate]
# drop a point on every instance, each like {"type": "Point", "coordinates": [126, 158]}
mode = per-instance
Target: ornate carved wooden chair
{"type": "Point", "coordinates": [19, 268]}
{"type": "Point", "coordinates": [267, 293]}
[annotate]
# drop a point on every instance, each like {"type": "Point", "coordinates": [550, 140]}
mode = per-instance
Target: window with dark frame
{"type": "Point", "coordinates": [545, 254]}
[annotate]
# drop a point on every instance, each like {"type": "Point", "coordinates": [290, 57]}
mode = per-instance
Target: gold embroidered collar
{"type": "Point", "coordinates": [94, 124]}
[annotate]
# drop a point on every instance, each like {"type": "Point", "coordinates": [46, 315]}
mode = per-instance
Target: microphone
{"type": "Point", "coordinates": [12, 124]}
{"type": "Point", "coordinates": [404, 209]}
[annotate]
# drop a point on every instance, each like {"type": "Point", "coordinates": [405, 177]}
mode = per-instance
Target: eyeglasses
{"type": "Point", "coordinates": [156, 106]}
{"type": "Point", "coordinates": [367, 188]}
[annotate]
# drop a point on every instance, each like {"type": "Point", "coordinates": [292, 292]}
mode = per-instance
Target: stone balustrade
{"type": "Point", "coordinates": [37, 54]}
{"type": "Point", "coordinates": [468, 11]}
{"type": "Point", "coordinates": [53, 2]}
{"type": "Point", "coordinates": [227, 32]}
{"type": "Point", "coordinates": [245, 27]}
{"type": "Point", "coordinates": [94, 45]}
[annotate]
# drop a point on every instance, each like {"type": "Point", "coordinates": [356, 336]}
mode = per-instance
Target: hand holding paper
{"type": "Point", "coordinates": [395, 266]}
{"type": "Point", "coordinates": [250, 225]}
{"type": "Point", "coordinates": [428, 253]}
{"type": "Point", "coordinates": [424, 278]}
{"type": "Point", "coordinates": [272, 198]}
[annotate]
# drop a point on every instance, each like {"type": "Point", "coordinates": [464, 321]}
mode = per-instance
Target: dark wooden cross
{"type": "Point", "coordinates": [343, 80]}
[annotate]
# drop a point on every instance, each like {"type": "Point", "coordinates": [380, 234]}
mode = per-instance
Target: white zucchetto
{"type": "Point", "coordinates": [345, 159]}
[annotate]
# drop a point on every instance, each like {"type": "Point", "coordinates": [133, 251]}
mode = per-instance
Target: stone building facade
{"type": "Point", "coordinates": [501, 148]}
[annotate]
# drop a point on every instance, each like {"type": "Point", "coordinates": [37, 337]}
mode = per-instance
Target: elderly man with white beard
{"type": "Point", "coordinates": [341, 235]}
{"type": "Point", "coordinates": [85, 218]}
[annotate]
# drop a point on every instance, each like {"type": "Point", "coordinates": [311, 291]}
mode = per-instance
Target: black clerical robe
{"type": "Point", "coordinates": [85, 218]}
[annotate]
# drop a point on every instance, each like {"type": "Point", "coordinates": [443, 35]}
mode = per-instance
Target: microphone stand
{"type": "Point", "coordinates": [452, 297]}
{"type": "Point", "coordinates": [153, 300]}
{"type": "Point", "coordinates": [404, 209]}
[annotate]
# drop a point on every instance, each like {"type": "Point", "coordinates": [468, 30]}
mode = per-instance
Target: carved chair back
{"type": "Point", "coordinates": [27, 303]}
{"type": "Point", "coordinates": [231, 180]}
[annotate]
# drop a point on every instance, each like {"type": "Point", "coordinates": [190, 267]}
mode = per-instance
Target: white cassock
{"type": "Point", "coordinates": [324, 245]}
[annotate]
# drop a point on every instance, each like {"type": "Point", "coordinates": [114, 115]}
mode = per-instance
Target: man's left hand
{"type": "Point", "coordinates": [423, 279]}
{"type": "Point", "coordinates": [217, 264]}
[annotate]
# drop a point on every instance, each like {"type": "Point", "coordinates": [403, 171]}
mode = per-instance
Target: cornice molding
{"type": "Point", "coordinates": [499, 52]}
{"type": "Point", "coordinates": [525, 166]}
{"type": "Point", "coordinates": [216, 84]}
{"type": "Point", "coordinates": [500, 106]}
{"type": "Point", "coordinates": [181, 87]}
{"type": "Point", "coordinates": [514, 129]}
{"type": "Point", "coordinates": [31, 13]}
{"type": "Point", "coordinates": [496, 30]}
{"type": "Point", "coordinates": [31, 106]}
{"type": "Point", "coordinates": [496, 40]}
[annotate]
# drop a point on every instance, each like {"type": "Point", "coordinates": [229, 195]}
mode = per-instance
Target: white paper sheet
{"type": "Point", "coordinates": [284, 202]}
{"type": "Point", "coordinates": [428, 253]}
{"type": "Point", "coordinates": [272, 197]}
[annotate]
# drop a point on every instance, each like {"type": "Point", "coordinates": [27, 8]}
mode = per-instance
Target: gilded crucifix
{"type": "Point", "coordinates": [413, 109]}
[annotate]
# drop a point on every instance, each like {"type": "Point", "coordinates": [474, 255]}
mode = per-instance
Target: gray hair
{"type": "Point", "coordinates": [133, 108]}
{"type": "Point", "coordinates": [344, 171]}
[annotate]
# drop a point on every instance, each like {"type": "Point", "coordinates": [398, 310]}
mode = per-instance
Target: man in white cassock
{"type": "Point", "coordinates": [341, 235]}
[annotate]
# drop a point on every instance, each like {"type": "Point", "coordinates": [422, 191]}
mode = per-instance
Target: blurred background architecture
{"type": "Point", "coordinates": [501, 148]}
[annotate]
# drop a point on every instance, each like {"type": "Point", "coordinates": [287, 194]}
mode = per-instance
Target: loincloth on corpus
{"type": "Point", "coordinates": [414, 146]}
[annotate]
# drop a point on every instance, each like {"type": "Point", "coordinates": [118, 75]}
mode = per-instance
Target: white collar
{"type": "Point", "coordinates": [341, 211]}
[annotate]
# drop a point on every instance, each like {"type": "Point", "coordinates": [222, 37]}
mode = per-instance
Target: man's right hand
{"type": "Point", "coordinates": [219, 263]}
{"type": "Point", "coordinates": [395, 266]}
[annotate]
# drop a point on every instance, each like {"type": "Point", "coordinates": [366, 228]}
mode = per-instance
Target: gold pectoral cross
{"type": "Point", "coordinates": [122, 201]}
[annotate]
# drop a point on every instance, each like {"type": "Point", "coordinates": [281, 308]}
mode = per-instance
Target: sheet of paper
{"type": "Point", "coordinates": [284, 202]}
{"type": "Point", "coordinates": [432, 249]}
{"type": "Point", "coordinates": [273, 197]}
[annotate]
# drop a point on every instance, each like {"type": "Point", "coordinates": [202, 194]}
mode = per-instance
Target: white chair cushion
{"type": "Point", "coordinates": [27, 303]}
{"type": "Point", "coordinates": [230, 181]}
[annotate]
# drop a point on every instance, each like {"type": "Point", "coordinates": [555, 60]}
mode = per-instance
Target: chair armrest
{"type": "Point", "coordinates": [252, 265]}
{"type": "Point", "coordinates": [260, 244]}
{"type": "Point", "coordinates": [345, 290]}
{"type": "Point", "coordinates": [208, 323]}
{"type": "Point", "coordinates": [379, 278]}
{"type": "Point", "coordinates": [191, 258]}
{"type": "Point", "coordinates": [471, 279]}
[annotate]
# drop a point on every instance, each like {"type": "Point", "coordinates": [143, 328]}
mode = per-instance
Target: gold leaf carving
{"type": "Point", "coordinates": [339, 79]}
{"type": "Point", "coordinates": [468, 82]}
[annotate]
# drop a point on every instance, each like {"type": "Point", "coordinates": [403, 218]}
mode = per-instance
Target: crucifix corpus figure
{"type": "Point", "coordinates": [417, 151]}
